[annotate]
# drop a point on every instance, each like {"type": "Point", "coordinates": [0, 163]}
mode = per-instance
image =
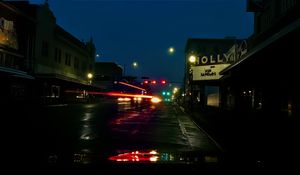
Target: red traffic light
{"type": "Point", "coordinates": [163, 82]}
{"type": "Point", "coordinates": [153, 82]}
{"type": "Point", "coordinates": [146, 82]}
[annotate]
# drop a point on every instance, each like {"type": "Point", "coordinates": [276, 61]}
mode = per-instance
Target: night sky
{"type": "Point", "coordinates": [125, 31]}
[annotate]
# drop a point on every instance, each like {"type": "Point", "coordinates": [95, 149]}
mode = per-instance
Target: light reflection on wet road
{"type": "Point", "coordinates": [68, 133]}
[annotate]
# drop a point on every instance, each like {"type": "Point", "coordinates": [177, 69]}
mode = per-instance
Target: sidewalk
{"type": "Point", "coordinates": [216, 122]}
{"type": "Point", "coordinates": [251, 139]}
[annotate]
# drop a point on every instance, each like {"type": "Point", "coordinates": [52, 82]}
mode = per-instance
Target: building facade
{"type": "Point", "coordinates": [204, 59]}
{"type": "Point", "coordinates": [60, 62]}
{"type": "Point", "coordinates": [264, 81]}
{"type": "Point", "coordinates": [16, 53]}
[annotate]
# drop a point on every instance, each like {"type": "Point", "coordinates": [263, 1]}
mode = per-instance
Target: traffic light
{"type": "Point", "coordinates": [166, 93]}
{"type": "Point", "coordinates": [155, 82]}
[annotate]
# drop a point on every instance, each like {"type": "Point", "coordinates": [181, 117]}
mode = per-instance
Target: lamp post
{"type": "Point", "coordinates": [191, 62]}
{"type": "Point", "coordinates": [135, 67]}
{"type": "Point", "coordinates": [90, 77]}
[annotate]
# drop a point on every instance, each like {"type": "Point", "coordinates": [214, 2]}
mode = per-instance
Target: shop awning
{"type": "Point", "coordinates": [283, 32]}
{"type": "Point", "coordinates": [15, 73]}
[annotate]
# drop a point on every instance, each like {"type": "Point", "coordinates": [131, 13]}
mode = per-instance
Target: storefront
{"type": "Point", "coordinates": [265, 79]}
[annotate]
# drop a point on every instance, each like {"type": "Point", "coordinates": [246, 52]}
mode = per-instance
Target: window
{"type": "Point", "coordinates": [57, 55]}
{"type": "Point", "coordinates": [84, 66]}
{"type": "Point", "coordinates": [76, 63]}
{"type": "Point", "coordinates": [2, 60]}
{"type": "Point", "coordinates": [45, 48]}
{"type": "Point", "coordinates": [68, 59]}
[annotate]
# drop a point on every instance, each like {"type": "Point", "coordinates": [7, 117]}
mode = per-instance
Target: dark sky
{"type": "Point", "coordinates": [125, 31]}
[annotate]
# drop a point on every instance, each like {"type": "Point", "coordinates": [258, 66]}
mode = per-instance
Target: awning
{"type": "Point", "coordinates": [15, 73]}
{"type": "Point", "coordinates": [61, 77]}
{"type": "Point", "coordinates": [295, 25]}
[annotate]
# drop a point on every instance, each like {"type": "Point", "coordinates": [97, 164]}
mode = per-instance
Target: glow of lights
{"type": "Point", "coordinates": [127, 95]}
{"type": "Point", "coordinates": [192, 59]}
{"type": "Point", "coordinates": [153, 152]}
{"type": "Point", "coordinates": [137, 99]}
{"type": "Point", "coordinates": [146, 81]}
{"type": "Point", "coordinates": [136, 156]}
{"type": "Point", "coordinates": [175, 90]}
{"type": "Point", "coordinates": [168, 93]}
{"type": "Point", "coordinates": [90, 75]}
{"type": "Point", "coordinates": [155, 100]}
{"type": "Point", "coordinates": [153, 82]}
{"type": "Point", "coordinates": [113, 94]}
{"type": "Point", "coordinates": [124, 99]}
{"type": "Point", "coordinates": [97, 55]}
{"type": "Point", "coordinates": [153, 159]}
{"type": "Point", "coordinates": [171, 50]}
{"type": "Point", "coordinates": [134, 64]}
{"type": "Point", "coordinates": [164, 93]}
{"type": "Point", "coordinates": [163, 82]}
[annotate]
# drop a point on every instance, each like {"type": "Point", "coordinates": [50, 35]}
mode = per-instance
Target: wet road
{"type": "Point", "coordinates": [94, 133]}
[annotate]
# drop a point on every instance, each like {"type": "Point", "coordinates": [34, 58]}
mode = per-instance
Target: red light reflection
{"type": "Point", "coordinates": [136, 156]}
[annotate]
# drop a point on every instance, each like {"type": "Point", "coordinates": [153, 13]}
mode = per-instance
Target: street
{"type": "Point", "coordinates": [97, 133]}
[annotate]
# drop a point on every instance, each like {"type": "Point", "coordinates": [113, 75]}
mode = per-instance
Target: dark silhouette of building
{"type": "Point", "coordinates": [106, 73]}
{"type": "Point", "coordinates": [264, 80]}
{"type": "Point", "coordinates": [60, 62]}
{"type": "Point", "coordinates": [16, 53]}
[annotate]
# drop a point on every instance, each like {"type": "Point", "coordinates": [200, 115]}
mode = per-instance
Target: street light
{"type": "Point", "coordinates": [192, 59]}
{"type": "Point", "coordinates": [171, 50]}
{"type": "Point", "coordinates": [135, 64]}
{"type": "Point", "coordinates": [90, 76]}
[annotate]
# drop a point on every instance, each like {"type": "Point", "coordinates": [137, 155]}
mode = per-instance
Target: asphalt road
{"type": "Point", "coordinates": [108, 131]}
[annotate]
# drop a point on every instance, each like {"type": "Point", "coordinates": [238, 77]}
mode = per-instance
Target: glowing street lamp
{"type": "Point", "coordinates": [90, 76]}
{"type": "Point", "coordinates": [175, 90]}
{"type": "Point", "coordinates": [192, 59]}
{"type": "Point", "coordinates": [171, 50]}
{"type": "Point", "coordinates": [135, 64]}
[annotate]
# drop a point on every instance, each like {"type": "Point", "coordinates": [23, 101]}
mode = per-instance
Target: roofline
{"type": "Point", "coordinates": [264, 44]}
{"type": "Point", "coordinates": [16, 10]}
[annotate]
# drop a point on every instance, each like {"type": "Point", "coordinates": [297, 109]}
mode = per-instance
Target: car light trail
{"type": "Point", "coordinates": [130, 85]}
{"type": "Point", "coordinates": [114, 94]}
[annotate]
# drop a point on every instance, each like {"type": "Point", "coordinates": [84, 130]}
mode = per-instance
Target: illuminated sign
{"type": "Point", "coordinates": [8, 35]}
{"type": "Point", "coordinates": [209, 72]}
{"type": "Point", "coordinates": [214, 59]}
